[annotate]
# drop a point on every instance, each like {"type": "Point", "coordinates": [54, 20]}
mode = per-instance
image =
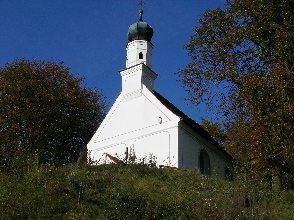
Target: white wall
{"type": "Point", "coordinates": [141, 124]}
{"type": "Point", "coordinates": [157, 146]}
{"type": "Point", "coordinates": [133, 50]}
{"type": "Point", "coordinates": [190, 144]}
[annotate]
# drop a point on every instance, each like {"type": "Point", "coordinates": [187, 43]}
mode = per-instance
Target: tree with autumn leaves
{"type": "Point", "coordinates": [243, 67]}
{"type": "Point", "coordinates": [45, 113]}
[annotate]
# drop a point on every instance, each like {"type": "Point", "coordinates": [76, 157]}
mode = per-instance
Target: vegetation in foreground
{"type": "Point", "coordinates": [119, 191]}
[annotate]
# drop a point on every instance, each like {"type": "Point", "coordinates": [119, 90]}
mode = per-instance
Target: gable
{"type": "Point", "coordinates": [133, 117]}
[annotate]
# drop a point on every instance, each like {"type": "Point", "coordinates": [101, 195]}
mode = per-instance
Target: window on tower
{"type": "Point", "coordinates": [140, 55]}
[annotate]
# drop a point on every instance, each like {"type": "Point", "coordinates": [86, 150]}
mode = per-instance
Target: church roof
{"type": "Point", "coordinates": [194, 125]}
{"type": "Point", "coordinates": [140, 30]}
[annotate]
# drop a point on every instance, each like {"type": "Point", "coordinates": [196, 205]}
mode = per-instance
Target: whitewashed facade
{"type": "Point", "coordinates": [143, 123]}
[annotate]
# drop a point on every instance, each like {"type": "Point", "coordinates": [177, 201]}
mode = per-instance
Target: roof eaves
{"type": "Point", "coordinates": [194, 125]}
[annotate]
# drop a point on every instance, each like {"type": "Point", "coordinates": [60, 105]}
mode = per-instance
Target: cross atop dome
{"type": "Point", "coordinates": [141, 3]}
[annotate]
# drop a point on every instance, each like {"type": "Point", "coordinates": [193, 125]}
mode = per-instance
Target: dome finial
{"type": "Point", "coordinates": [140, 30]}
{"type": "Point", "coordinates": [140, 13]}
{"type": "Point", "coordinates": [141, 4]}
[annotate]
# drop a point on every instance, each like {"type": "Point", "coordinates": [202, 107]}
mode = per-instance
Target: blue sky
{"type": "Point", "coordinates": [90, 37]}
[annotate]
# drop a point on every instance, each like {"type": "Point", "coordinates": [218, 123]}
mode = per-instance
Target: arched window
{"type": "Point", "coordinates": [229, 174]}
{"type": "Point", "coordinates": [140, 55]}
{"type": "Point", "coordinates": [204, 162]}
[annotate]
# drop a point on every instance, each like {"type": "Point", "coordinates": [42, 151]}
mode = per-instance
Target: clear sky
{"type": "Point", "coordinates": [90, 37]}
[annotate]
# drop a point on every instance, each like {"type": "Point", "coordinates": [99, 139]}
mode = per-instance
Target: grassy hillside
{"type": "Point", "coordinates": [134, 192]}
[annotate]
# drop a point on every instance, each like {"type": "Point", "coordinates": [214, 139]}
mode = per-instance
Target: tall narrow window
{"type": "Point", "coordinates": [141, 56]}
{"type": "Point", "coordinates": [204, 162]}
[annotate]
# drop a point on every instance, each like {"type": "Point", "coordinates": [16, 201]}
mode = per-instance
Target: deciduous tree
{"type": "Point", "coordinates": [45, 112]}
{"type": "Point", "coordinates": [243, 62]}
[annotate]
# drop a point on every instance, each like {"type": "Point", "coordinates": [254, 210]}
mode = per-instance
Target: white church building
{"type": "Point", "coordinates": [143, 124]}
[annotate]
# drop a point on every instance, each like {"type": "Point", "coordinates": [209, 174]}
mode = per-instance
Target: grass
{"type": "Point", "coordinates": [118, 191]}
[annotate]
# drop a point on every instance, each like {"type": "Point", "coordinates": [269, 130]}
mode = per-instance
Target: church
{"type": "Point", "coordinates": [143, 125]}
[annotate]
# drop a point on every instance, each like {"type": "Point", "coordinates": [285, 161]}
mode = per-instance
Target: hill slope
{"type": "Point", "coordinates": [134, 192]}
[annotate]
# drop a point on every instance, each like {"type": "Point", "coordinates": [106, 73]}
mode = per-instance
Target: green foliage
{"type": "Point", "coordinates": [45, 114]}
{"type": "Point", "coordinates": [216, 130]}
{"type": "Point", "coordinates": [243, 68]}
{"type": "Point", "coordinates": [120, 191]}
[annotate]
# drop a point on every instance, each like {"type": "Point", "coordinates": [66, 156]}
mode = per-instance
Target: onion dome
{"type": "Point", "coordinates": [140, 30]}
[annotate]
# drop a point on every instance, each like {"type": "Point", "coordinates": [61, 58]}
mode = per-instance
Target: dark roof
{"type": "Point", "coordinates": [194, 125]}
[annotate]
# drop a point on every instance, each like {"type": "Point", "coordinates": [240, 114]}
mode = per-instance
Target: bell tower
{"type": "Point", "coordinates": [139, 48]}
{"type": "Point", "coordinates": [138, 71]}
{"type": "Point", "coordinates": [139, 51]}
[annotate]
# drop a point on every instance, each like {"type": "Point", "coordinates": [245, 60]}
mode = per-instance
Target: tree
{"type": "Point", "coordinates": [45, 112]}
{"type": "Point", "coordinates": [216, 130]}
{"type": "Point", "coordinates": [243, 62]}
